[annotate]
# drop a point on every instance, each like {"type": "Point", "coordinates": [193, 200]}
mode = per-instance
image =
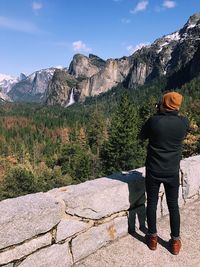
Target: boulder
{"type": "Point", "coordinates": [104, 196]}
{"type": "Point", "coordinates": [25, 249]}
{"type": "Point", "coordinates": [24, 217]}
{"type": "Point", "coordinates": [67, 228]}
{"type": "Point", "coordinates": [190, 168]}
{"type": "Point", "coordinates": [96, 237]}
{"type": "Point", "coordinates": [54, 256]}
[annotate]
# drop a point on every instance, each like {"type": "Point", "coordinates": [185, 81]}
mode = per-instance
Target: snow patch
{"type": "Point", "coordinates": [6, 82]}
{"type": "Point", "coordinates": [191, 26]}
{"type": "Point", "coordinates": [161, 47]}
{"type": "Point", "coordinates": [132, 49]}
{"type": "Point", "coordinates": [59, 67]}
{"type": "Point", "coordinates": [173, 37]}
{"type": "Point", "coordinates": [49, 72]}
{"type": "Point", "coordinates": [6, 77]}
{"type": "Point", "coordinates": [169, 38]}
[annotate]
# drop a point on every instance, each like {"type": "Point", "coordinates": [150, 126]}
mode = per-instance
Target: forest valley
{"type": "Point", "coordinates": [46, 147]}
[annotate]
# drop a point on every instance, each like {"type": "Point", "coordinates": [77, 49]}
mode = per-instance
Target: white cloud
{"type": "Point", "coordinates": [141, 6]}
{"type": "Point", "coordinates": [132, 49]}
{"type": "Point", "coordinates": [169, 4]}
{"type": "Point", "coordinates": [80, 46]}
{"type": "Point", "coordinates": [17, 25]}
{"type": "Point", "coordinates": [37, 5]}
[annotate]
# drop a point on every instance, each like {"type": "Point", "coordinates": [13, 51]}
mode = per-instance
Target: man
{"type": "Point", "coordinates": [165, 132]}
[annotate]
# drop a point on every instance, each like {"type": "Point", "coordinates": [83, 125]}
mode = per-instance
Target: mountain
{"type": "Point", "coordinates": [33, 87]}
{"type": "Point", "coordinates": [22, 77]}
{"type": "Point", "coordinates": [60, 88]}
{"type": "Point", "coordinates": [174, 56]}
{"type": "Point", "coordinates": [7, 82]}
{"type": "Point", "coordinates": [4, 98]}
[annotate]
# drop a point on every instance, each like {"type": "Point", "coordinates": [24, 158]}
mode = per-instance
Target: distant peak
{"type": "Point", "coordinates": [79, 55]}
{"type": "Point", "coordinates": [59, 67]}
{"type": "Point", "coordinates": [22, 76]}
{"type": "Point", "coordinates": [5, 77]}
{"type": "Point", "coordinates": [194, 19]}
{"type": "Point", "coordinates": [91, 56]}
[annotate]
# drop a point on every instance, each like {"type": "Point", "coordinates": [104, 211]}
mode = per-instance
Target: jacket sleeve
{"type": "Point", "coordinates": [145, 130]}
{"type": "Point", "coordinates": [187, 125]}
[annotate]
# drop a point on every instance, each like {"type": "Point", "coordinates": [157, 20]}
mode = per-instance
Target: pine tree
{"type": "Point", "coordinates": [82, 137]}
{"type": "Point", "coordinates": [148, 108]}
{"type": "Point", "coordinates": [121, 150]}
{"type": "Point", "coordinates": [96, 131]}
{"type": "Point", "coordinates": [75, 161]}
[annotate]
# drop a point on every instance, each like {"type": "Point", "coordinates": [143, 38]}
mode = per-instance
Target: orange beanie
{"type": "Point", "coordinates": [172, 101]}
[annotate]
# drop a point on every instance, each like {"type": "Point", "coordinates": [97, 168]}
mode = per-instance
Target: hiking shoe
{"type": "Point", "coordinates": [151, 241]}
{"type": "Point", "coordinates": [175, 246]}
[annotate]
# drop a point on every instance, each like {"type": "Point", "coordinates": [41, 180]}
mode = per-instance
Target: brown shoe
{"type": "Point", "coordinates": [151, 241]}
{"type": "Point", "coordinates": [175, 246]}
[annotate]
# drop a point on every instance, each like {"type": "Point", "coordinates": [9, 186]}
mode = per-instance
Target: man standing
{"type": "Point", "coordinates": [165, 132]}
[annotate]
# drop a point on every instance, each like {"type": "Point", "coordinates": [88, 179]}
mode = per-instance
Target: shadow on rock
{"type": "Point", "coordinates": [136, 187]}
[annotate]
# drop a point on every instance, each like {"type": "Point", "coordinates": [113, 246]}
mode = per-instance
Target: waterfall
{"type": "Point", "coordinates": [71, 98]}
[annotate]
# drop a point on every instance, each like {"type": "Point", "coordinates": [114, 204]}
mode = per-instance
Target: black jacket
{"type": "Point", "coordinates": [165, 131]}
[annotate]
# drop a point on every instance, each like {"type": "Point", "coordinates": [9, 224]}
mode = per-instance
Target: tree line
{"type": "Point", "coordinates": [46, 147]}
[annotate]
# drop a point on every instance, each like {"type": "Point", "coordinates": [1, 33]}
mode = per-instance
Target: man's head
{"type": "Point", "coordinates": [172, 101]}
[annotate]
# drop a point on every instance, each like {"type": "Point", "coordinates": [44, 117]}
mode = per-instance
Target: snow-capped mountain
{"type": "Point", "coordinates": [175, 56]}
{"type": "Point", "coordinates": [7, 82]}
{"type": "Point", "coordinates": [32, 87]}
{"type": "Point", "coordinates": [4, 98]}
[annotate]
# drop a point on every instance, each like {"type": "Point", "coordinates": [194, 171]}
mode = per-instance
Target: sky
{"type": "Point", "coordinates": [38, 34]}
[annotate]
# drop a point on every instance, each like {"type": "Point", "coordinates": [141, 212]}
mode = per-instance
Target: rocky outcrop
{"type": "Point", "coordinates": [173, 55]}
{"type": "Point", "coordinates": [94, 74]}
{"type": "Point", "coordinates": [167, 55]}
{"type": "Point", "coordinates": [85, 67]}
{"type": "Point", "coordinates": [109, 76]}
{"type": "Point", "coordinates": [60, 87]}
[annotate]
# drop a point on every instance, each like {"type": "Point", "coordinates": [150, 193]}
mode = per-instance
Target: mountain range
{"type": "Point", "coordinates": [174, 56]}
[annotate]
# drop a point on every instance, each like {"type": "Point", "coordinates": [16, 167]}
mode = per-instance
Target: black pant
{"type": "Point", "coordinates": [171, 185]}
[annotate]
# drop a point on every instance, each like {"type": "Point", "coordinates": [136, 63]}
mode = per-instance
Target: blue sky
{"type": "Point", "coordinates": [43, 33]}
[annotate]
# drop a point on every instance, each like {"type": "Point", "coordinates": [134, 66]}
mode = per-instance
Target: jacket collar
{"type": "Point", "coordinates": [169, 113]}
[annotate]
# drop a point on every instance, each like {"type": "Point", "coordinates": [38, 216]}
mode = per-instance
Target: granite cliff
{"type": "Point", "coordinates": [174, 56]}
{"type": "Point", "coordinates": [32, 87]}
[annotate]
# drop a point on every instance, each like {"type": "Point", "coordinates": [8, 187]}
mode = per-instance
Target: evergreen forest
{"type": "Point", "coordinates": [45, 147]}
